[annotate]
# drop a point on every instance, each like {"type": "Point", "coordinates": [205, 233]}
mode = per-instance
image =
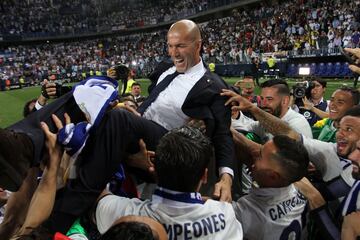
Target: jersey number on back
{"type": "Point", "coordinates": [292, 232]}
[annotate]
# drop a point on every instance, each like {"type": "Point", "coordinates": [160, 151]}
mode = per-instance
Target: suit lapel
{"type": "Point", "coordinates": [198, 88]}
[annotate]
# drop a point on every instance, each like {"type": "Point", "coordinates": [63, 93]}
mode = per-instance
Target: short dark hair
{"type": "Point", "coordinates": [181, 158]}
{"type": "Point", "coordinates": [281, 86]}
{"type": "Point", "coordinates": [354, 93]}
{"type": "Point", "coordinates": [320, 81]}
{"type": "Point", "coordinates": [129, 231]}
{"type": "Point", "coordinates": [26, 110]}
{"type": "Point", "coordinates": [292, 156]}
{"type": "Point", "coordinates": [353, 111]}
{"type": "Point", "coordinates": [126, 95]}
{"type": "Point", "coordinates": [136, 84]}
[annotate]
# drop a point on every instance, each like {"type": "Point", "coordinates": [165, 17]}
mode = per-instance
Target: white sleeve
{"type": "Point", "coordinates": [249, 125]}
{"type": "Point", "coordinates": [324, 157]}
{"type": "Point", "coordinates": [242, 123]}
{"type": "Point", "coordinates": [302, 126]}
{"type": "Point", "coordinates": [38, 106]}
{"type": "Point", "coordinates": [109, 209]}
{"type": "Point", "coordinates": [258, 129]}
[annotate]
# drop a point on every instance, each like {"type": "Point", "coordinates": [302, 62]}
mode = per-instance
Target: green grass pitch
{"type": "Point", "coordinates": [12, 102]}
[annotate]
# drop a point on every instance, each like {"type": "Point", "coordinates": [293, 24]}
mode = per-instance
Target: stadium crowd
{"type": "Point", "coordinates": [243, 36]}
{"type": "Point", "coordinates": [301, 27]}
{"type": "Point", "coordinates": [41, 18]}
{"type": "Point", "coordinates": [271, 166]}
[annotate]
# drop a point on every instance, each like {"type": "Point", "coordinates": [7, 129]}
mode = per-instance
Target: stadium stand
{"type": "Point", "coordinates": [290, 26]}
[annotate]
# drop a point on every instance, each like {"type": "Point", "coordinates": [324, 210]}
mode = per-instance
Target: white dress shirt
{"type": "Point", "coordinates": [166, 109]}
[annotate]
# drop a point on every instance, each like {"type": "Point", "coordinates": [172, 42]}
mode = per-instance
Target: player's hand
{"type": "Point", "coordinates": [237, 102]}
{"type": "Point", "coordinates": [48, 89]}
{"type": "Point", "coordinates": [113, 103]}
{"type": "Point", "coordinates": [307, 104]}
{"type": "Point", "coordinates": [310, 192]}
{"type": "Point", "coordinates": [54, 149]}
{"type": "Point", "coordinates": [197, 123]}
{"type": "Point", "coordinates": [350, 227]}
{"type": "Point", "coordinates": [142, 159]}
{"type": "Point", "coordinates": [4, 196]}
{"type": "Point", "coordinates": [356, 53]}
{"type": "Point", "coordinates": [223, 188]}
{"type": "Point", "coordinates": [111, 73]}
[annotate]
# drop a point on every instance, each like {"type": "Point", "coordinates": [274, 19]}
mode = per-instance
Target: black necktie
{"type": "Point", "coordinates": [156, 91]}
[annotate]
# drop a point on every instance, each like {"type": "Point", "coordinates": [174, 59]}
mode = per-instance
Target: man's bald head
{"type": "Point", "coordinates": [186, 28]}
{"type": "Point", "coordinates": [184, 44]}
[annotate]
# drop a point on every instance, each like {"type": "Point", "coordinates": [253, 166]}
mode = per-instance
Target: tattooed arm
{"type": "Point", "coordinates": [271, 123]}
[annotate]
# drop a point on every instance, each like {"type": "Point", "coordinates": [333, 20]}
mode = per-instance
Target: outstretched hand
{"type": "Point", "coordinates": [307, 104]}
{"type": "Point", "coordinates": [350, 227]}
{"type": "Point", "coordinates": [197, 123]}
{"type": "Point", "coordinates": [236, 101]}
{"type": "Point", "coordinates": [54, 149]}
{"type": "Point", "coordinates": [48, 89]}
{"type": "Point", "coordinates": [142, 159]}
{"type": "Point", "coordinates": [356, 55]}
{"type": "Point", "coordinates": [314, 197]}
{"type": "Point", "coordinates": [223, 188]}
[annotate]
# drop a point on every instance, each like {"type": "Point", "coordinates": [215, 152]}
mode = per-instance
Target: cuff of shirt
{"type": "Point", "coordinates": [227, 170]}
{"type": "Point", "coordinates": [38, 106]}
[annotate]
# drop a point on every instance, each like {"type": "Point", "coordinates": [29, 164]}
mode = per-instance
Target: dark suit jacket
{"type": "Point", "coordinates": [31, 124]}
{"type": "Point", "coordinates": [204, 102]}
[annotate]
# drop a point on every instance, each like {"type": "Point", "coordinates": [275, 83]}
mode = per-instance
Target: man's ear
{"type": "Point", "coordinates": [198, 45]}
{"type": "Point", "coordinates": [275, 177]}
{"type": "Point", "coordinates": [204, 178]}
{"type": "Point", "coordinates": [285, 100]}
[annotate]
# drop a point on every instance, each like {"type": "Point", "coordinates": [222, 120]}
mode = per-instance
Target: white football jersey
{"type": "Point", "coordinates": [351, 203]}
{"type": "Point", "coordinates": [271, 213]}
{"type": "Point", "coordinates": [325, 158]}
{"type": "Point", "coordinates": [183, 215]}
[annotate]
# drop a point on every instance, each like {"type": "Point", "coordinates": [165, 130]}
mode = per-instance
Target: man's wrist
{"type": "Point", "coordinates": [254, 109]}
{"type": "Point", "coordinates": [42, 100]}
{"type": "Point", "coordinates": [226, 177]}
{"type": "Point", "coordinates": [316, 201]}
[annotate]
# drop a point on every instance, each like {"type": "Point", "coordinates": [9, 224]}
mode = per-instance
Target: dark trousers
{"type": "Point", "coordinates": [21, 144]}
{"type": "Point", "coordinates": [31, 125]}
{"type": "Point", "coordinates": [106, 148]}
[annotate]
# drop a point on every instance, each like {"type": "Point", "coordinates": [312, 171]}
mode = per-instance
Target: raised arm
{"type": "Point", "coordinates": [271, 123]}
{"type": "Point", "coordinates": [43, 199]}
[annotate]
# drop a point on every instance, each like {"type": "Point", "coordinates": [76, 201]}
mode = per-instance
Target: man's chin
{"type": "Point", "coordinates": [334, 116]}
{"type": "Point", "coordinates": [180, 67]}
{"type": "Point", "coordinates": [180, 70]}
{"type": "Point", "coordinates": [343, 152]}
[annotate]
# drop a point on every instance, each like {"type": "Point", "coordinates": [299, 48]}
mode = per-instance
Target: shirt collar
{"type": "Point", "coordinates": [287, 113]}
{"type": "Point", "coordinates": [165, 195]}
{"type": "Point", "coordinates": [266, 192]}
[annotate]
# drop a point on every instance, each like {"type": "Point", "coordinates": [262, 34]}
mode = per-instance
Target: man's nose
{"type": "Point", "coordinates": [340, 132]}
